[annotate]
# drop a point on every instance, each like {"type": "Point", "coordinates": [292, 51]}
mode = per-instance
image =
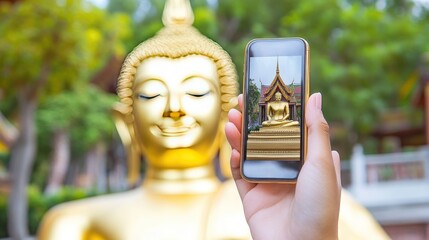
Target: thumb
{"type": "Point", "coordinates": [319, 144]}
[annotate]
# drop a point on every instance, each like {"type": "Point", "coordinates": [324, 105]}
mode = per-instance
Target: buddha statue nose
{"type": "Point", "coordinates": [173, 108]}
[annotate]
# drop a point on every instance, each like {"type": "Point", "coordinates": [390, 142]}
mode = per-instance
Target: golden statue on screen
{"type": "Point", "coordinates": [278, 113]}
{"type": "Point", "coordinates": [278, 137]}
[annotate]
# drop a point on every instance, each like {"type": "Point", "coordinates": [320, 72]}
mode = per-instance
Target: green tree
{"type": "Point", "coordinates": [75, 121]}
{"type": "Point", "coordinates": [47, 47]}
{"type": "Point", "coordinates": [253, 108]}
{"type": "Point", "coordinates": [361, 52]}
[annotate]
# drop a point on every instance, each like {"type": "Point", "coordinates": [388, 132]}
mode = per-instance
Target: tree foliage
{"type": "Point", "coordinates": [253, 108]}
{"type": "Point", "coordinates": [362, 51]}
{"type": "Point", "coordinates": [48, 47]}
{"type": "Point", "coordinates": [86, 114]}
{"type": "Point", "coordinates": [68, 40]}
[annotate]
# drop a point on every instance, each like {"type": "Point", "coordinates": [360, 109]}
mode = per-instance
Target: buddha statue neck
{"type": "Point", "coordinates": [196, 180]}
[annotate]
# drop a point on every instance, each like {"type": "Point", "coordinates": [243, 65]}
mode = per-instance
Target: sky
{"type": "Point", "coordinates": [103, 3]}
{"type": "Point", "coordinates": [263, 69]}
{"type": "Point", "coordinates": [100, 3]}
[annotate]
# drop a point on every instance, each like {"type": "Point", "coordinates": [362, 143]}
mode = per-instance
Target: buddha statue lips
{"type": "Point", "coordinates": [175, 128]}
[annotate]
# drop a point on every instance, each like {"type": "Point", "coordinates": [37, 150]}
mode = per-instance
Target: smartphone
{"type": "Point", "coordinates": [275, 90]}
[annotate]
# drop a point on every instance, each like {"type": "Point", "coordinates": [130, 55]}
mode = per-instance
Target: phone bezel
{"type": "Point", "coordinates": [304, 97]}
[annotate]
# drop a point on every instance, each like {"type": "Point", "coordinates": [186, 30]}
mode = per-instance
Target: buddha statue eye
{"type": "Point", "coordinates": [198, 95]}
{"type": "Point", "coordinates": [141, 96]}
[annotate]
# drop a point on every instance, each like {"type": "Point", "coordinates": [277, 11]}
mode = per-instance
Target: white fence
{"type": "Point", "coordinates": [394, 187]}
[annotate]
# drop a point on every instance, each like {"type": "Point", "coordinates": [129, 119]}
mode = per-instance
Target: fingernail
{"type": "Point", "coordinates": [318, 100]}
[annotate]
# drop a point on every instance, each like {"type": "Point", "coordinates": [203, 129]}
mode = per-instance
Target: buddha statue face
{"type": "Point", "coordinates": [176, 110]}
{"type": "Point", "coordinates": [175, 91]}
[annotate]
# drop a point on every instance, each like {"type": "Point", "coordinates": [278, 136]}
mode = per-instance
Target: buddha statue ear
{"type": "Point", "coordinates": [125, 129]}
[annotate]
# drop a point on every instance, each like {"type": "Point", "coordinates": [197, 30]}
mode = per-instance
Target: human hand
{"type": "Point", "coordinates": [307, 210]}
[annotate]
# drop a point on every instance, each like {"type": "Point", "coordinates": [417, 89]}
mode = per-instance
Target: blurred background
{"type": "Point", "coordinates": [60, 59]}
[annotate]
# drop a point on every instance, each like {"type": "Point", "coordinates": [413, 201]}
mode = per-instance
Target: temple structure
{"type": "Point", "coordinates": [291, 94]}
{"type": "Point", "coordinates": [279, 141]}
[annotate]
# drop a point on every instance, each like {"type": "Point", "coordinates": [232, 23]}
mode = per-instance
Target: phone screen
{"type": "Point", "coordinates": [275, 91]}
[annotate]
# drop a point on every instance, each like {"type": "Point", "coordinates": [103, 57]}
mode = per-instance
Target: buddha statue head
{"type": "Point", "coordinates": [175, 91]}
{"type": "Point", "coordinates": [278, 96]}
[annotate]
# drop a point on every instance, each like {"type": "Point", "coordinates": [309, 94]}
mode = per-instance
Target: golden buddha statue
{"type": "Point", "coordinates": [175, 91]}
{"type": "Point", "coordinates": [278, 113]}
{"type": "Point", "coordinates": [279, 137]}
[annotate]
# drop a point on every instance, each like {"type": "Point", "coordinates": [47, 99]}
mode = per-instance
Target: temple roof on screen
{"type": "Point", "coordinates": [277, 85]}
